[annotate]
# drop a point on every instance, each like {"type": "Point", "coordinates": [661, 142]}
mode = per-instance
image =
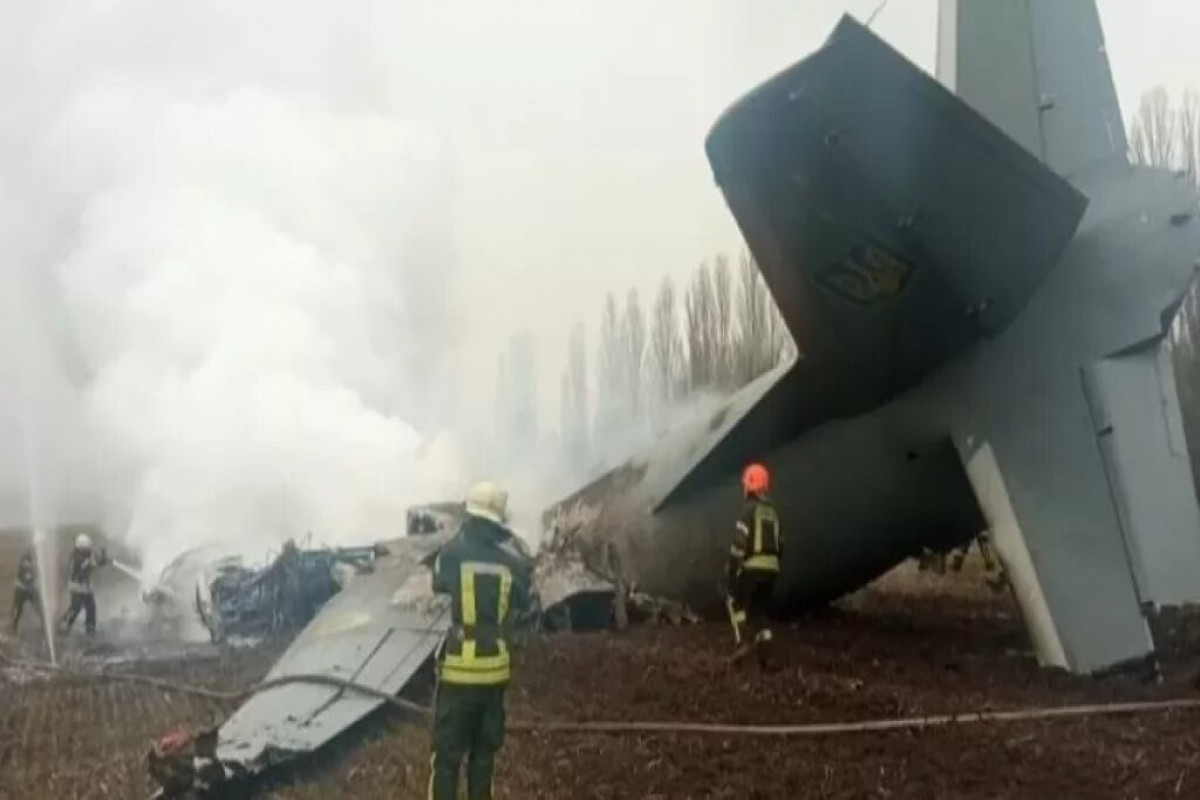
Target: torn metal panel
{"type": "Point", "coordinates": [650, 610]}
{"type": "Point", "coordinates": [281, 597]}
{"type": "Point", "coordinates": [576, 588]}
{"type": "Point", "coordinates": [572, 596]}
{"type": "Point", "coordinates": [208, 592]}
{"type": "Point", "coordinates": [377, 632]}
{"type": "Point", "coordinates": [558, 578]}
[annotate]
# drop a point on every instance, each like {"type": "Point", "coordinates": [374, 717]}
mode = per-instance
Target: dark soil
{"type": "Point", "coordinates": [881, 654]}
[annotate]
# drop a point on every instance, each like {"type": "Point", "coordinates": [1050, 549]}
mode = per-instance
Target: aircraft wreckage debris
{"type": "Point", "coordinates": [368, 637]}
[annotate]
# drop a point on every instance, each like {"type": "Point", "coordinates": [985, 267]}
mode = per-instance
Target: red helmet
{"type": "Point", "coordinates": [756, 479]}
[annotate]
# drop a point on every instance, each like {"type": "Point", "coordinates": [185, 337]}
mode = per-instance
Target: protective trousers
{"type": "Point", "coordinates": [750, 605]}
{"type": "Point", "coordinates": [85, 602]}
{"type": "Point", "coordinates": [468, 721]}
{"type": "Point", "coordinates": [21, 596]}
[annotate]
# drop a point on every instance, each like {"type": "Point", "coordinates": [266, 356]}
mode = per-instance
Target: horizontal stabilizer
{"type": "Point", "coordinates": [894, 224]}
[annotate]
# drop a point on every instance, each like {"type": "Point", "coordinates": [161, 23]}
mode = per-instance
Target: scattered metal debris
{"type": "Point", "coordinates": [572, 596]}
{"type": "Point", "coordinates": [573, 593]}
{"type": "Point", "coordinates": [282, 597]}
{"type": "Point", "coordinates": [376, 632]}
{"type": "Point", "coordinates": [583, 585]}
{"type": "Point", "coordinates": [235, 601]}
{"type": "Point", "coordinates": [183, 764]}
{"type": "Point", "coordinates": [651, 610]}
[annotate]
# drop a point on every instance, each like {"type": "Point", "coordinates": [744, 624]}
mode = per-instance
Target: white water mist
{"type": "Point", "coordinates": [241, 241]}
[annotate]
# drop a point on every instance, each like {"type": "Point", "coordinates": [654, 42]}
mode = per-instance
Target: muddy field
{"type": "Point", "coordinates": [894, 650]}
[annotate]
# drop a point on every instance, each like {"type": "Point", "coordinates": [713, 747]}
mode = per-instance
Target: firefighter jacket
{"type": "Point", "coordinates": [79, 571]}
{"type": "Point", "coordinates": [757, 539]}
{"type": "Point", "coordinates": [489, 579]}
{"type": "Point", "coordinates": [26, 573]}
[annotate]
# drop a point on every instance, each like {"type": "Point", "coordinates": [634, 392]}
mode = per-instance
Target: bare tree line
{"type": "Point", "coordinates": [1167, 134]}
{"type": "Point", "coordinates": [721, 330]}
{"type": "Point", "coordinates": [712, 338]}
{"type": "Point", "coordinates": [718, 333]}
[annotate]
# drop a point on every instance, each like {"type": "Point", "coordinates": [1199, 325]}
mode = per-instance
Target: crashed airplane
{"type": "Point", "coordinates": [981, 285]}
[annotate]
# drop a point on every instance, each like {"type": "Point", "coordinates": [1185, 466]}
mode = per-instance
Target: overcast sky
{"type": "Point", "coordinates": [568, 137]}
{"type": "Point", "coordinates": [593, 178]}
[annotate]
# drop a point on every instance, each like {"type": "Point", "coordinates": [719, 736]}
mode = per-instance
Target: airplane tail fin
{"type": "Point", "coordinates": [1038, 70]}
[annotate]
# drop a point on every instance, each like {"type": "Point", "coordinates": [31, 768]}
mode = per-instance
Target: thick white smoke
{"type": "Point", "coordinates": [235, 233]}
{"type": "Point", "coordinates": [240, 225]}
{"type": "Point", "coordinates": [248, 341]}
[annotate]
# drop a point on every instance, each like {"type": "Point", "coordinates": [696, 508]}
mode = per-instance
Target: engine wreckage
{"type": "Point", "coordinates": [367, 619]}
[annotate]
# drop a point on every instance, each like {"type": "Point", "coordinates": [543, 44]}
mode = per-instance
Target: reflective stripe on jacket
{"type": "Point", "coordinates": [487, 580]}
{"type": "Point", "coordinates": [758, 538]}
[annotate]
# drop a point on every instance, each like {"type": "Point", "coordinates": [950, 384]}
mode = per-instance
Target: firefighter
{"type": "Point", "coordinates": [25, 590]}
{"type": "Point", "coordinates": [488, 577]}
{"type": "Point", "coordinates": [80, 567]}
{"type": "Point", "coordinates": [753, 566]}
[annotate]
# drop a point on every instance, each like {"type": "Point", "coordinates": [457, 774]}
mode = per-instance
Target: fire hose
{"type": "Point", "coordinates": [648, 727]}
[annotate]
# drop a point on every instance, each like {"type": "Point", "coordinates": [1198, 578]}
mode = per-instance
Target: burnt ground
{"type": "Point", "coordinates": [902, 648]}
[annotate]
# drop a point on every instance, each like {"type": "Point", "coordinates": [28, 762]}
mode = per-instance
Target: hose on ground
{"type": "Point", "coordinates": [217, 694]}
{"type": "Point", "coordinates": [649, 728]}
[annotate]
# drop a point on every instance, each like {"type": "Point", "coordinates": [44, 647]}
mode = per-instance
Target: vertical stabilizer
{"type": "Point", "coordinates": [1039, 70]}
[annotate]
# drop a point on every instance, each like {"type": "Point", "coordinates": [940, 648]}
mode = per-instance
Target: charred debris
{"type": "Point", "coordinates": [282, 597]}
{"type": "Point", "coordinates": [578, 587]}
{"type": "Point", "coordinates": [362, 622]}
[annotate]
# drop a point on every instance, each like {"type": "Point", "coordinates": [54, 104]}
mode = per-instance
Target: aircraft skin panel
{"type": "Point", "coordinates": [975, 36]}
{"type": "Point", "coordinates": [856, 496]}
{"type": "Point", "coordinates": [988, 483]}
{"type": "Point", "coordinates": [1039, 70]}
{"type": "Point", "coordinates": [797, 399]}
{"type": "Point", "coordinates": [1082, 124]}
{"type": "Point", "coordinates": [362, 635]}
{"type": "Point", "coordinates": [1138, 424]}
{"type": "Point", "coordinates": [1045, 449]}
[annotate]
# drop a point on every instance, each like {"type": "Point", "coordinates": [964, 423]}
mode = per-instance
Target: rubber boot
{"type": "Point", "coordinates": [764, 649]}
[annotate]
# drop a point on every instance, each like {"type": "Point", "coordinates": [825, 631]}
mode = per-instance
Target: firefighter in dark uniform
{"type": "Point", "coordinates": [753, 566]}
{"type": "Point", "coordinates": [80, 566]}
{"type": "Point", "coordinates": [489, 578]}
{"type": "Point", "coordinates": [25, 590]}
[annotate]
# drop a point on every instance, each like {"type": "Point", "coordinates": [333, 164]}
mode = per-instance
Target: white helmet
{"type": "Point", "coordinates": [488, 501]}
{"type": "Point", "coordinates": [83, 542]}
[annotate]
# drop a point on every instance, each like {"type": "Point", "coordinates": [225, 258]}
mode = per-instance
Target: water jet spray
{"type": "Point", "coordinates": [43, 560]}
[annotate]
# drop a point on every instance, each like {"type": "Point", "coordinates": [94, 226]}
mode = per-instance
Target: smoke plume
{"type": "Point", "coordinates": [237, 226]}
{"type": "Point", "coordinates": [274, 248]}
